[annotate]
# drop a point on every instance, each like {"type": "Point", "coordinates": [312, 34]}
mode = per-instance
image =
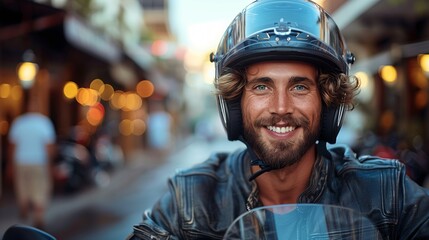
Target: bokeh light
{"type": "Point", "coordinates": [5, 90]}
{"type": "Point", "coordinates": [145, 88]}
{"type": "Point", "coordinates": [118, 100]}
{"type": "Point", "coordinates": [132, 101]}
{"type": "Point", "coordinates": [26, 73]}
{"type": "Point", "coordinates": [97, 85]}
{"type": "Point", "coordinates": [70, 90]}
{"type": "Point", "coordinates": [107, 92]}
{"type": "Point", "coordinates": [388, 73]}
{"type": "Point", "coordinates": [87, 96]}
{"type": "Point", "coordinates": [95, 114]}
{"type": "Point", "coordinates": [139, 127]}
{"type": "Point", "coordinates": [364, 80]}
{"type": "Point", "coordinates": [424, 62]}
{"type": "Point", "coordinates": [135, 127]}
{"type": "Point", "coordinates": [126, 127]}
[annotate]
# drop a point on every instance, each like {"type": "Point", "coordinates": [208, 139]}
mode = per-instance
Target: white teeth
{"type": "Point", "coordinates": [281, 129]}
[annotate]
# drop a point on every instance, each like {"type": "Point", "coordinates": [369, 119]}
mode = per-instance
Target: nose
{"type": "Point", "coordinates": [281, 103]}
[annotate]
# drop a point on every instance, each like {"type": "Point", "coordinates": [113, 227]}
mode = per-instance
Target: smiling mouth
{"type": "Point", "coordinates": [281, 129]}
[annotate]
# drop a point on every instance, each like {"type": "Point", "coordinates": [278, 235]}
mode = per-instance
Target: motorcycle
{"type": "Point", "coordinates": [302, 221]}
{"type": "Point", "coordinates": [278, 222]}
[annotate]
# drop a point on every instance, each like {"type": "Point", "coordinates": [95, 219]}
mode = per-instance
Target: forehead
{"type": "Point", "coordinates": [283, 68]}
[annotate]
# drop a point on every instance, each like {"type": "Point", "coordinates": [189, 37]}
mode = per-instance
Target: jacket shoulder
{"type": "Point", "coordinates": [191, 206]}
{"type": "Point", "coordinates": [200, 191]}
{"type": "Point", "coordinates": [345, 158]}
{"type": "Point", "coordinates": [380, 188]}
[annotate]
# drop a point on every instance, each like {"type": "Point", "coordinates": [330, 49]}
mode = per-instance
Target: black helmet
{"type": "Point", "coordinates": [282, 30]}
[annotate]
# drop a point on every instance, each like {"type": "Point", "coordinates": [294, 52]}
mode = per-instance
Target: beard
{"type": "Point", "coordinates": [280, 154]}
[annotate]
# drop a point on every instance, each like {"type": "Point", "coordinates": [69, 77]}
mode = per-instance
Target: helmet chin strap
{"type": "Point", "coordinates": [255, 161]}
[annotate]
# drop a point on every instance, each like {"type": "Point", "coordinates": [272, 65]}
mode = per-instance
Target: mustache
{"type": "Point", "coordinates": [289, 119]}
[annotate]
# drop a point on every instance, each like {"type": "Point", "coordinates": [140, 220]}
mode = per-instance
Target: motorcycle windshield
{"type": "Point", "coordinates": [302, 221]}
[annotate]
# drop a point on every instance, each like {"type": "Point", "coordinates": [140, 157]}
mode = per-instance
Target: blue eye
{"type": "Point", "coordinates": [260, 87]}
{"type": "Point", "coordinates": [300, 87]}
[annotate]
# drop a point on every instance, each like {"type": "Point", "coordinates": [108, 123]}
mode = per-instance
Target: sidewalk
{"type": "Point", "coordinates": [62, 205]}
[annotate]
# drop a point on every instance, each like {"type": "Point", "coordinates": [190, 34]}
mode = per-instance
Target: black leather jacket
{"type": "Point", "coordinates": [204, 200]}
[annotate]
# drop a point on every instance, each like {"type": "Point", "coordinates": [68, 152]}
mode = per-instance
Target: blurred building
{"type": "Point", "coordinates": [156, 18]}
{"type": "Point", "coordinates": [390, 41]}
{"type": "Point", "coordinates": [98, 65]}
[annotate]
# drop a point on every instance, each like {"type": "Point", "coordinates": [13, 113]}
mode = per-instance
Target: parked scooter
{"type": "Point", "coordinates": [76, 168]}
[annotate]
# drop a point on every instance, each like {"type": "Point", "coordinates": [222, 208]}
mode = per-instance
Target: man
{"type": "Point", "coordinates": [283, 87]}
{"type": "Point", "coordinates": [32, 143]}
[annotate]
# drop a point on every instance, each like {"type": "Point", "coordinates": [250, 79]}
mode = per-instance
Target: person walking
{"type": "Point", "coordinates": [32, 145]}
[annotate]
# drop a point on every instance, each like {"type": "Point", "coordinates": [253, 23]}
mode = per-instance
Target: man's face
{"type": "Point", "coordinates": [281, 107]}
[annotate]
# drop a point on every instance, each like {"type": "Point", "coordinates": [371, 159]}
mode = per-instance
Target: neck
{"type": "Point", "coordinates": [283, 186]}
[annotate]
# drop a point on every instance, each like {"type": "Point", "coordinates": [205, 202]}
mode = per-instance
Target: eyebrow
{"type": "Point", "coordinates": [293, 80]}
{"type": "Point", "coordinates": [259, 79]}
{"type": "Point", "coordinates": [300, 79]}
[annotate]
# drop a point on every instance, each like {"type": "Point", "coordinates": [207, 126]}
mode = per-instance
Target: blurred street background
{"type": "Point", "coordinates": [110, 212]}
{"type": "Point", "coordinates": [128, 86]}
